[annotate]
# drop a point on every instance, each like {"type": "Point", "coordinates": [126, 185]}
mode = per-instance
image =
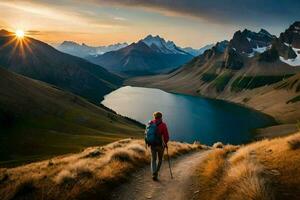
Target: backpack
{"type": "Point", "coordinates": [151, 135]}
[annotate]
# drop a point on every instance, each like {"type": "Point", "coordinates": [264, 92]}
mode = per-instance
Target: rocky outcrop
{"type": "Point", "coordinates": [291, 36]}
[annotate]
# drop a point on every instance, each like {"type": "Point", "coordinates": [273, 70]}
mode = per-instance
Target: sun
{"type": "Point", "coordinates": [20, 34]}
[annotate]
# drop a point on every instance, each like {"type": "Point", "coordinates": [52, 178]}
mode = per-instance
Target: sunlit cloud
{"type": "Point", "coordinates": [219, 11]}
{"type": "Point", "coordinates": [120, 18]}
{"type": "Point", "coordinates": [33, 32]}
{"type": "Point", "coordinates": [102, 22]}
{"type": "Point", "coordinates": [59, 21]}
{"type": "Point", "coordinates": [58, 15]}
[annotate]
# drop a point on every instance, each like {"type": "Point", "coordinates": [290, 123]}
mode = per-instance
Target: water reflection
{"type": "Point", "coordinates": [189, 118]}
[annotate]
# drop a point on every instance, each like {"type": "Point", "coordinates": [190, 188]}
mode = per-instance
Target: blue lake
{"type": "Point", "coordinates": [189, 118]}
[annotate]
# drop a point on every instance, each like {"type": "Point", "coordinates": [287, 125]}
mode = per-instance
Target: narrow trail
{"type": "Point", "coordinates": [182, 186]}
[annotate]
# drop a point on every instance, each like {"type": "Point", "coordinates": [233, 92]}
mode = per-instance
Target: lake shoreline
{"type": "Point", "coordinates": [259, 133]}
{"type": "Point", "coordinates": [221, 115]}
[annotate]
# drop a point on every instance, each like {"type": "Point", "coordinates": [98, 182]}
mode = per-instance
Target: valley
{"type": "Point", "coordinates": [239, 73]}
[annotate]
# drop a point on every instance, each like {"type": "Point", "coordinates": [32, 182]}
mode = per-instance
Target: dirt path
{"type": "Point", "coordinates": [141, 186]}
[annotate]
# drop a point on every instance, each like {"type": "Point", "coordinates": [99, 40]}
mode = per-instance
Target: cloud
{"type": "Point", "coordinates": [221, 11]}
{"type": "Point", "coordinates": [120, 18]}
{"type": "Point", "coordinates": [61, 13]}
{"type": "Point", "coordinates": [34, 32]}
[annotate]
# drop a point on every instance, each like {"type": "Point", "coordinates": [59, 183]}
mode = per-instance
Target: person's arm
{"type": "Point", "coordinates": [165, 134]}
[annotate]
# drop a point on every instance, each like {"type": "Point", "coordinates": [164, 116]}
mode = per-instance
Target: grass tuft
{"type": "Point", "coordinates": [3, 177]}
{"type": "Point", "coordinates": [95, 153]}
{"type": "Point", "coordinates": [247, 180]}
{"type": "Point", "coordinates": [294, 143]}
{"type": "Point", "coordinates": [50, 163]}
{"type": "Point", "coordinates": [214, 164]}
{"type": "Point", "coordinates": [122, 155]}
{"type": "Point", "coordinates": [137, 149]}
{"type": "Point", "coordinates": [218, 145]}
{"type": "Point", "coordinates": [24, 188]}
{"type": "Point", "coordinates": [65, 177]}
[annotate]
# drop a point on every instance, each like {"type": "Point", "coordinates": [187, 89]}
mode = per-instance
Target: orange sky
{"type": "Point", "coordinates": [102, 23]}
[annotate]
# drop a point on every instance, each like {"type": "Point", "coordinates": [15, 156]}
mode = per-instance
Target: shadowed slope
{"type": "Point", "coordinates": [38, 120]}
{"type": "Point", "coordinates": [40, 61]}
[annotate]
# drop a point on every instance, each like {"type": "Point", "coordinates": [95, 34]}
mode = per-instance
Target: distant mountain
{"type": "Point", "coordinates": [288, 45]}
{"type": "Point", "coordinates": [84, 50]}
{"type": "Point", "coordinates": [38, 121]}
{"type": "Point", "coordinates": [249, 61]}
{"type": "Point", "coordinates": [159, 45]}
{"type": "Point", "coordinates": [40, 61]}
{"type": "Point", "coordinates": [197, 52]}
{"type": "Point", "coordinates": [249, 43]}
{"type": "Point", "coordinates": [150, 55]}
{"type": "Point", "coordinates": [291, 36]}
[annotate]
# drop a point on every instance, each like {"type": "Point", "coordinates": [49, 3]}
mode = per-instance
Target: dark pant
{"type": "Point", "coordinates": [157, 153]}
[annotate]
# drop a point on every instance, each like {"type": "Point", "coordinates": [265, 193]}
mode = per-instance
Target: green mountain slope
{"type": "Point", "coordinates": [40, 61]}
{"type": "Point", "coordinates": [38, 121]}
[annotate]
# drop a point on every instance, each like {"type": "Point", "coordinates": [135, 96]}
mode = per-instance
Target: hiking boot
{"type": "Point", "coordinates": [154, 177]}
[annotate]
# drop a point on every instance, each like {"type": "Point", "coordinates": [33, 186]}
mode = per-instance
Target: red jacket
{"type": "Point", "coordinates": [162, 130]}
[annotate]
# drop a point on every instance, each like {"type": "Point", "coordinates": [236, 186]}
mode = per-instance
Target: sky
{"type": "Point", "coordinates": [192, 23]}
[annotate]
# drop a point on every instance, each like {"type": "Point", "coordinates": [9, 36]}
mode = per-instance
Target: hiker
{"type": "Point", "coordinates": [157, 137]}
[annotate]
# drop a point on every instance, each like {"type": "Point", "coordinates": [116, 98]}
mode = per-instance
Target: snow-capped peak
{"type": "Point", "coordinates": [159, 44]}
{"type": "Point", "coordinates": [249, 43]}
{"type": "Point", "coordinates": [293, 61]}
{"type": "Point", "coordinates": [150, 40]}
{"type": "Point", "coordinates": [83, 50]}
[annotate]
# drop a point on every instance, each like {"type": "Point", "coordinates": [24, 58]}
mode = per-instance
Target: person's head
{"type": "Point", "coordinates": [157, 115]}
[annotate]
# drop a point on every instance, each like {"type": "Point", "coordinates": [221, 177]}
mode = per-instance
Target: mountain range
{"type": "Point", "coordinates": [38, 60]}
{"type": "Point", "coordinates": [84, 50]}
{"type": "Point", "coordinates": [197, 52]}
{"type": "Point", "coordinates": [151, 55]}
{"type": "Point", "coordinates": [158, 57]}
{"type": "Point", "coordinates": [256, 69]}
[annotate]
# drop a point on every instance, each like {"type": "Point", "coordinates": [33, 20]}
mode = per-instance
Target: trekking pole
{"type": "Point", "coordinates": [169, 163]}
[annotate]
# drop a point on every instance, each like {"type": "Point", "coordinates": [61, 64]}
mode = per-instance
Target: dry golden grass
{"type": "Point", "coordinates": [214, 164]}
{"type": "Point", "coordinates": [263, 170]}
{"type": "Point", "coordinates": [294, 142]}
{"type": "Point", "coordinates": [86, 175]}
{"type": "Point", "coordinates": [218, 145]}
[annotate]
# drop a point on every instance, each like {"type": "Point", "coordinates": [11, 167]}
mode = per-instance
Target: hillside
{"type": "Point", "coordinates": [249, 70]}
{"type": "Point", "coordinates": [263, 170]}
{"type": "Point", "coordinates": [38, 121]}
{"type": "Point", "coordinates": [37, 60]}
{"type": "Point", "coordinates": [90, 174]}
{"type": "Point", "coordinates": [151, 55]}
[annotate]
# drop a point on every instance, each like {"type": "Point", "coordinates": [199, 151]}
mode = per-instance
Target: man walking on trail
{"type": "Point", "coordinates": [157, 137]}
